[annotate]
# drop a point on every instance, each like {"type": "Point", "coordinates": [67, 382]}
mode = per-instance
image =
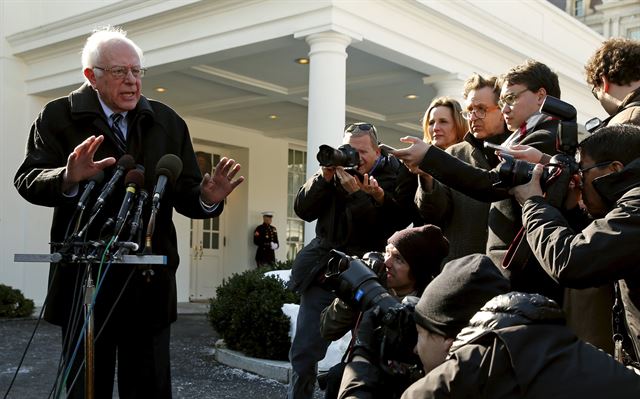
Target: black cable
{"type": "Point", "coordinates": [26, 349]}
{"type": "Point", "coordinates": [24, 354]}
{"type": "Point", "coordinates": [104, 324]}
{"type": "Point", "coordinates": [72, 325]}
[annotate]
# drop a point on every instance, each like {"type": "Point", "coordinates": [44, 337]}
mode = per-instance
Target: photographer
{"type": "Point", "coordinates": [353, 216]}
{"type": "Point", "coordinates": [445, 307]}
{"type": "Point", "coordinates": [517, 346]}
{"type": "Point", "coordinates": [523, 90]}
{"type": "Point", "coordinates": [606, 250]}
{"type": "Point", "coordinates": [412, 258]}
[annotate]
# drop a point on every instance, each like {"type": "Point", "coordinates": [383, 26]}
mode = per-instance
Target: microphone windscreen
{"type": "Point", "coordinates": [134, 176]}
{"type": "Point", "coordinates": [126, 162]}
{"type": "Point", "coordinates": [170, 166]}
{"type": "Point", "coordinates": [98, 177]}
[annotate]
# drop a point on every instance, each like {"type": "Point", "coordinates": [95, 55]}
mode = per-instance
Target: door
{"type": "Point", "coordinates": [207, 240]}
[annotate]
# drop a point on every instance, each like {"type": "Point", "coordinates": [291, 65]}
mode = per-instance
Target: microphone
{"type": "Point", "coordinates": [93, 181]}
{"type": "Point", "coordinates": [125, 163]}
{"type": "Point", "coordinates": [168, 169]}
{"type": "Point", "coordinates": [133, 180]}
{"type": "Point", "coordinates": [135, 221]}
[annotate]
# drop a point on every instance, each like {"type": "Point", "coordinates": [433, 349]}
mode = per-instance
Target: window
{"type": "Point", "coordinates": [633, 34]}
{"type": "Point", "coordinates": [297, 166]}
{"type": "Point", "coordinates": [578, 8]}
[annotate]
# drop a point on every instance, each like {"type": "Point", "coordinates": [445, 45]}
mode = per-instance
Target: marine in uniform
{"type": "Point", "coordinates": [266, 238]}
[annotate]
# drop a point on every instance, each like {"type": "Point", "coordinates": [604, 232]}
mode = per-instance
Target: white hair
{"type": "Point", "coordinates": [101, 36]}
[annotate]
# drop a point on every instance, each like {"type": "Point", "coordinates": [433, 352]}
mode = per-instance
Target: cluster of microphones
{"type": "Point", "coordinates": [129, 217]}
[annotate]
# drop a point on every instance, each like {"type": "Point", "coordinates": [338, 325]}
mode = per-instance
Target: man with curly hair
{"type": "Point", "coordinates": [614, 74]}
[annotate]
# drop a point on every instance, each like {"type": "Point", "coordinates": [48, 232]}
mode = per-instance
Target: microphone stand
{"type": "Point", "coordinates": [89, 345]}
{"type": "Point", "coordinates": [86, 255]}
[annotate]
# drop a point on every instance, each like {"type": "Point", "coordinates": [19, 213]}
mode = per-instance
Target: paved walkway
{"type": "Point", "coordinates": [195, 372]}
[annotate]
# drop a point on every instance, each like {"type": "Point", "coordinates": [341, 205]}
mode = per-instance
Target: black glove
{"type": "Point", "coordinates": [367, 342]}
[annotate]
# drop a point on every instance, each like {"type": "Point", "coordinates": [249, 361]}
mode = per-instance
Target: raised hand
{"type": "Point", "coordinates": [525, 153]}
{"type": "Point", "coordinates": [370, 186]}
{"type": "Point", "coordinates": [412, 155]}
{"type": "Point", "coordinates": [214, 189]}
{"type": "Point", "coordinates": [80, 163]}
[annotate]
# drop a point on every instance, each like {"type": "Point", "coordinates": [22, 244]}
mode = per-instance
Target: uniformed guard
{"type": "Point", "coordinates": [266, 238]}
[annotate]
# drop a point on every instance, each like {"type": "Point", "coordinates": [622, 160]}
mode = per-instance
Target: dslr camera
{"type": "Point", "coordinates": [361, 284]}
{"type": "Point", "coordinates": [514, 172]}
{"type": "Point", "coordinates": [345, 156]}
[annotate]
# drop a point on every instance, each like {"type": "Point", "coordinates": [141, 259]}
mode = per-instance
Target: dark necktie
{"type": "Point", "coordinates": [115, 127]}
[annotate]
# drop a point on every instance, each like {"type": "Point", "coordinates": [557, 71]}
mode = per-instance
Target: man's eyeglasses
{"type": "Point", "coordinates": [598, 165]}
{"type": "Point", "coordinates": [510, 99]}
{"type": "Point", "coordinates": [594, 91]}
{"type": "Point", "coordinates": [361, 126]}
{"type": "Point", "coordinates": [120, 72]}
{"type": "Point", "coordinates": [479, 112]}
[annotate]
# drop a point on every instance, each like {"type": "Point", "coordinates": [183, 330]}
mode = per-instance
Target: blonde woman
{"type": "Point", "coordinates": [443, 124]}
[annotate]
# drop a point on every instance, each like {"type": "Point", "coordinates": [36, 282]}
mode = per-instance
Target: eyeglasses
{"type": "Point", "coordinates": [510, 99]}
{"type": "Point", "coordinates": [479, 112]}
{"type": "Point", "coordinates": [598, 165]}
{"type": "Point", "coordinates": [594, 91]}
{"type": "Point", "coordinates": [361, 126]}
{"type": "Point", "coordinates": [120, 72]}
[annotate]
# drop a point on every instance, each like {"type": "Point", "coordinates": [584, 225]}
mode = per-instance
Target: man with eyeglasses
{"type": "Point", "coordinates": [605, 251]}
{"type": "Point", "coordinates": [523, 90]}
{"type": "Point", "coordinates": [462, 218]}
{"type": "Point", "coordinates": [72, 140]}
{"type": "Point", "coordinates": [613, 73]}
{"type": "Point", "coordinates": [353, 216]}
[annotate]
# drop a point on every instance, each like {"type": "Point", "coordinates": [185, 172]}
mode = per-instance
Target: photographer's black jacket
{"type": "Point", "coordinates": [517, 346]}
{"type": "Point", "coordinates": [351, 223]}
{"type": "Point", "coordinates": [505, 213]}
{"type": "Point", "coordinates": [603, 252]}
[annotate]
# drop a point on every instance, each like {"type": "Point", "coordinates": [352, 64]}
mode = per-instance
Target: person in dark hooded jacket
{"type": "Point", "coordinates": [517, 346]}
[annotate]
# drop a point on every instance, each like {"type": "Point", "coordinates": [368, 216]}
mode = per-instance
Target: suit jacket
{"type": "Point", "coordinates": [463, 219]}
{"type": "Point", "coordinates": [153, 131]}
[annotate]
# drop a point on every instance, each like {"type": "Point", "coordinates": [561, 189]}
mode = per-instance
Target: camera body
{"type": "Point", "coordinates": [345, 156]}
{"type": "Point", "coordinates": [358, 283]}
{"type": "Point", "coordinates": [514, 172]}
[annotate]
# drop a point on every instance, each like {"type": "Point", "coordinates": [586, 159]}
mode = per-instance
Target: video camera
{"type": "Point", "coordinates": [361, 284]}
{"type": "Point", "coordinates": [514, 172]}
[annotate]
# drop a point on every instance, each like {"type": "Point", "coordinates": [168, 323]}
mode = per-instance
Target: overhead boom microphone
{"type": "Point", "coordinates": [133, 180]}
{"type": "Point", "coordinates": [125, 163]}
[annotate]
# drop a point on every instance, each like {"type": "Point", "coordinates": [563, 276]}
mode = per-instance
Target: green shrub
{"type": "Point", "coordinates": [247, 313]}
{"type": "Point", "coordinates": [13, 303]}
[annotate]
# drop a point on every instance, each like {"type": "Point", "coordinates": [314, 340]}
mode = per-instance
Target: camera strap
{"type": "Point", "coordinates": [518, 253]}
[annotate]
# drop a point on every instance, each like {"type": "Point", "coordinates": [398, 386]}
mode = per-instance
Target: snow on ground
{"type": "Point", "coordinates": [336, 349]}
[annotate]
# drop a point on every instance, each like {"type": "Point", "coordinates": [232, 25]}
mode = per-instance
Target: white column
{"type": "Point", "coordinates": [327, 92]}
{"type": "Point", "coordinates": [449, 85]}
